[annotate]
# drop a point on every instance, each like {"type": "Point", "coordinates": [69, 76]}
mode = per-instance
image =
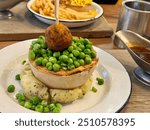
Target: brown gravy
{"type": "Point", "coordinates": [142, 52]}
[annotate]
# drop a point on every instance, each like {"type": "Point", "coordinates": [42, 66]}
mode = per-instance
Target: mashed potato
{"type": "Point", "coordinates": [33, 87]}
{"type": "Point", "coordinates": [67, 96]}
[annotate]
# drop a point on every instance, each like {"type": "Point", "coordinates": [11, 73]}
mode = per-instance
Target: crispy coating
{"type": "Point", "coordinates": [58, 37]}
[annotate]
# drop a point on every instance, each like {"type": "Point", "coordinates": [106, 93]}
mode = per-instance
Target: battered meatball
{"type": "Point", "coordinates": [58, 37]}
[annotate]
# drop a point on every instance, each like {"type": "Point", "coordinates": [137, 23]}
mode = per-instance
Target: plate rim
{"type": "Point", "coordinates": [127, 99]}
{"type": "Point", "coordinates": [131, 87]}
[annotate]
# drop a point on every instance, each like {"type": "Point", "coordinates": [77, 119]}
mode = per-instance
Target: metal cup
{"type": "Point", "coordinates": [134, 16]}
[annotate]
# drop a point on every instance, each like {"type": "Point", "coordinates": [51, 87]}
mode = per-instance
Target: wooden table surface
{"type": "Point", "coordinates": [140, 96]}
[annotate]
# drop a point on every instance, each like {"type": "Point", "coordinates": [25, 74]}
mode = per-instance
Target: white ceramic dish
{"type": "Point", "coordinates": [110, 97]}
{"type": "Point", "coordinates": [69, 23]}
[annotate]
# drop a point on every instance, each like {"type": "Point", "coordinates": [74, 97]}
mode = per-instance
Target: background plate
{"type": "Point", "coordinates": [69, 23]}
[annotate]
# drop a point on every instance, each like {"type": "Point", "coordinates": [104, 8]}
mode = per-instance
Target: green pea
{"type": "Point", "coordinates": [56, 110]}
{"type": "Point", "coordinates": [46, 109]}
{"type": "Point", "coordinates": [71, 55]}
{"type": "Point", "coordinates": [33, 107]}
{"type": "Point", "coordinates": [11, 88]}
{"type": "Point", "coordinates": [88, 60]}
{"type": "Point", "coordinates": [44, 103]}
{"type": "Point", "coordinates": [34, 42]}
{"type": "Point", "coordinates": [38, 61]}
{"type": "Point", "coordinates": [43, 45]}
{"type": "Point", "coordinates": [44, 62]}
{"type": "Point", "coordinates": [17, 77]}
{"type": "Point", "coordinates": [65, 52]}
{"type": "Point", "coordinates": [39, 108]}
{"type": "Point", "coordinates": [75, 53]}
{"type": "Point", "coordinates": [100, 81]}
{"type": "Point", "coordinates": [31, 55]}
{"type": "Point", "coordinates": [58, 105]}
{"type": "Point", "coordinates": [35, 100]}
{"type": "Point", "coordinates": [48, 64]}
{"type": "Point", "coordinates": [63, 64]}
{"type": "Point", "coordinates": [93, 54]}
{"type": "Point", "coordinates": [49, 53]}
{"type": "Point", "coordinates": [40, 41]}
{"type": "Point", "coordinates": [63, 58]}
{"type": "Point", "coordinates": [56, 54]}
{"type": "Point", "coordinates": [44, 55]}
{"type": "Point", "coordinates": [23, 62]}
{"type": "Point", "coordinates": [87, 56]}
{"type": "Point", "coordinates": [76, 63]}
{"type": "Point", "coordinates": [53, 60]}
{"type": "Point", "coordinates": [64, 68]}
{"type": "Point", "coordinates": [42, 37]}
{"type": "Point", "coordinates": [50, 67]}
{"type": "Point", "coordinates": [41, 58]}
{"type": "Point", "coordinates": [70, 48]}
{"type": "Point", "coordinates": [52, 106]}
{"type": "Point", "coordinates": [78, 43]}
{"type": "Point", "coordinates": [43, 51]}
{"type": "Point", "coordinates": [75, 39]}
{"type": "Point", "coordinates": [94, 89]}
{"type": "Point", "coordinates": [71, 66]}
{"type": "Point", "coordinates": [86, 41]}
{"type": "Point", "coordinates": [70, 61]}
{"type": "Point", "coordinates": [22, 103]}
{"type": "Point", "coordinates": [74, 46]}
{"type": "Point", "coordinates": [74, 58]}
{"type": "Point", "coordinates": [79, 49]}
{"type": "Point", "coordinates": [82, 55]}
{"type": "Point", "coordinates": [36, 47]}
{"type": "Point", "coordinates": [82, 47]}
{"type": "Point", "coordinates": [87, 51]}
{"type": "Point", "coordinates": [81, 40]}
{"type": "Point", "coordinates": [20, 97]}
{"type": "Point", "coordinates": [81, 61]}
{"type": "Point", "coordinates": [89, 46]}
{"type": "Point", "coordinates": [28, 104]}
{"type": "Point", "coordinates": [56, 67]}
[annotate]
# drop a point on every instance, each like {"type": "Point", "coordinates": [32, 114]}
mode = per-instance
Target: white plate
{"type": "Point", "coordinates": [69, 23]}
{"type": "Point", "coordinates": [110, 97]}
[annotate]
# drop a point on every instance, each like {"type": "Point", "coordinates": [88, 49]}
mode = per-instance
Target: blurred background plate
{"type": "Point", "coordinates": [69, 23]}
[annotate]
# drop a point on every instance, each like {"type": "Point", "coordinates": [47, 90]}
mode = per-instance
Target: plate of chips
{"type": "Point", "coordinates": [70, 15]}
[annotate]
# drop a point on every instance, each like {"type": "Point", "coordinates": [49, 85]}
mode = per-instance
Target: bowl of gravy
{"type": "Point", "coordinates": [139, 49]}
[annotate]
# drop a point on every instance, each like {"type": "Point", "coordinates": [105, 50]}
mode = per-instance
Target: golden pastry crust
{"type": "Point", "coordinates": [67, 72]}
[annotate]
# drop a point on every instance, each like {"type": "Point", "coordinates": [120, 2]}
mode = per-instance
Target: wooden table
{"type": "Point", "coordinates": [140, 96]}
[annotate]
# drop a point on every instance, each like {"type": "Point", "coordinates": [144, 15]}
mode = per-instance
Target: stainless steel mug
{"type": "Point", "coordinates": [134, 16]}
